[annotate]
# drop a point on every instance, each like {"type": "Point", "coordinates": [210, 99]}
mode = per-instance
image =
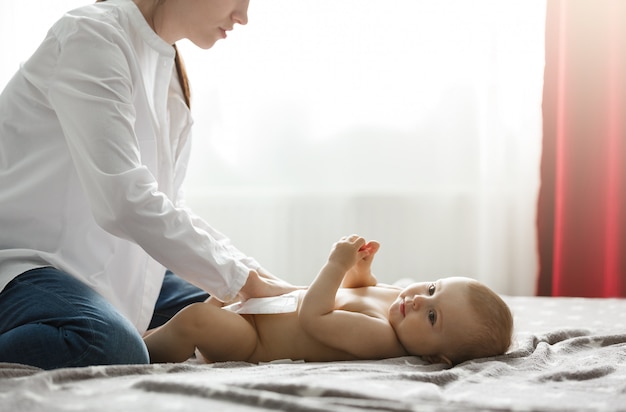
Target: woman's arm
{"type": "Point", "coordinates": [98, 96]}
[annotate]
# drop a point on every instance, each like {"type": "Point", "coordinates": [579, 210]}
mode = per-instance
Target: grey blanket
{"type": "Point", "coordinates": [570, 354]}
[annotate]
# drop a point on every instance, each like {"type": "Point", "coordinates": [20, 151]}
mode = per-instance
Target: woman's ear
{"type": "Point", "coordinates": [437, 359]}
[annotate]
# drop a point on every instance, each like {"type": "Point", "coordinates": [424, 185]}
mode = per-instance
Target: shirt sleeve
{"type": "Point", "coordinates": [182, 160]}
{"type": "Point", "coordinates": [92, 92]}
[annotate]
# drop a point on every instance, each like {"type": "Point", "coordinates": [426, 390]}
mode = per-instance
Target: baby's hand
{"type": "Point", "coordinates": [347, 251]}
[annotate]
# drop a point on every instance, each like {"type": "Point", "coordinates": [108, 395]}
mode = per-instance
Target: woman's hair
{"type": "Point", "coordinates": [493, 333]}
{"type": "Point", "coordinates": [180, 70]}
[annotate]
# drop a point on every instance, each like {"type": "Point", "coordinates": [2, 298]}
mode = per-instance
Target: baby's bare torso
{"type": "Point", "coordinates": [280, 336]}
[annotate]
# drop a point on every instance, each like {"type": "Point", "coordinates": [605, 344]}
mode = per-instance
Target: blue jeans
{"type": "Point", "coordinates": [50, 319]}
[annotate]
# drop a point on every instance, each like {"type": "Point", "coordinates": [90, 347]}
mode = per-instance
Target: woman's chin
{"type": "Point", "coordinates": [204, 44]}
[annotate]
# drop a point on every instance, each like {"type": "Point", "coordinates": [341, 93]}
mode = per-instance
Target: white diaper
{"type": "Point", "coordinates": [286, 303]}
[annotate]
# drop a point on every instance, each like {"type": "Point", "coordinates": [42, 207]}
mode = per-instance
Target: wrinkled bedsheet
{"type": "Point", "coordinates": [569, 354]}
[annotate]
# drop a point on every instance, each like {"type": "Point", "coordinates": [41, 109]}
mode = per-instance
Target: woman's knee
{"type": "Point", "coordinates": [73, 344]}
{"type": "Point", "coordinates": [51, 320]}
{"type": "Point", "coordinates": [111, 340]}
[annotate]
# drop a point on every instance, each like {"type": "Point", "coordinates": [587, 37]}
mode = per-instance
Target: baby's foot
{"type": "Point", "coordinates": [363, 267]}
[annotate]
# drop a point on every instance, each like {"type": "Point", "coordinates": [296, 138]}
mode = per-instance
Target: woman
{"type": "Point", "coordinates": [94, 143]}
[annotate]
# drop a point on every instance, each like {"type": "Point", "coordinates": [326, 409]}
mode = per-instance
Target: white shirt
{"type": "Point", "coordinates": [94, 144]}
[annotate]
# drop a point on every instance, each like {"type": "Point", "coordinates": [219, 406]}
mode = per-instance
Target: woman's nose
{"type": "Point", "coordinates": [240, 18]}
{"type": "Point", "coordinates": [240, 15]}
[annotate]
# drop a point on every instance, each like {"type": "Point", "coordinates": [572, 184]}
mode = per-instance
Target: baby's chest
{"type": "Point", "coordinates": [368, 305]}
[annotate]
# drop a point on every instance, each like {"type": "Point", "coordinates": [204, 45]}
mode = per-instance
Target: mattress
{"type": "Point", "coordinates": [568, 354]}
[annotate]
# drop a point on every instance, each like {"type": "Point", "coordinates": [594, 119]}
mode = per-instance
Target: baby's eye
{"type": "Point", "coordinates": [431, 289]}
{"type": "Point", "coordinates": [432, 317]}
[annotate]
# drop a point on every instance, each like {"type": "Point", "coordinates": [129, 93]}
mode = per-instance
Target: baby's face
{"type": "Point", "coordinates": [431, 316]}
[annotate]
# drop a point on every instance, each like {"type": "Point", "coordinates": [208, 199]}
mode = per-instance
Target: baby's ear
{"type": "Point", "coordinates": [437, 359]}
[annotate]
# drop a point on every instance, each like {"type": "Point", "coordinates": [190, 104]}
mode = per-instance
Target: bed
{"type": "Point", "coordinates": [569, 354]}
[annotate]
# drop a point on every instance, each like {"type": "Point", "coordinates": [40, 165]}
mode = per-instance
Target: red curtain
{"type": "Point", "coordinates": [582, 199]}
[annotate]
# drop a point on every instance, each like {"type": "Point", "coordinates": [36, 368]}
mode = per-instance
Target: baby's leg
{"type": "Point", "coordinates": [360, 274]}
{"type": "Point", "coordinates": [219, 335]}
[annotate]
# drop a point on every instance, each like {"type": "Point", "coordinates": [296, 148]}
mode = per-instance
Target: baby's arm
{"type": "Point", "coordinates": [361, 335]}
{"type": "Point", "coordinates": [320, 297]}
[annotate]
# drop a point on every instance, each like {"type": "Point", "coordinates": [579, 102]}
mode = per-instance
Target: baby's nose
{"type": "Point", "coordinates": [417, 301]}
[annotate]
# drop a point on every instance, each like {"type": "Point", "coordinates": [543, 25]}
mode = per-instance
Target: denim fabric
{"type": "Point", "coordinates": [51, 320]}
{"type": "Point", "coordinates": [176, 293]}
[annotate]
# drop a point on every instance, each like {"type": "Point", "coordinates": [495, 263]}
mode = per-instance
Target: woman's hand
{"type": "Point", "coordinates": [262, 283]}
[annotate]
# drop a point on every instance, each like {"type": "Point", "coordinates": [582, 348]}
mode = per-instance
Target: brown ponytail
{"type": "Point", "coordinates": [180, 70]}
{"type": "Point", "coordinates": [182, 76]}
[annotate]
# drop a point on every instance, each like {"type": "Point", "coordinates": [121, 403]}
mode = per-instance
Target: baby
{"type": "Point", "coordinates": [345, 315]}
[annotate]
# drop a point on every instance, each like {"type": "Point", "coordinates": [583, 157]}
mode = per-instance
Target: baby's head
{"type": "Point", "coordinates": [451, 320]}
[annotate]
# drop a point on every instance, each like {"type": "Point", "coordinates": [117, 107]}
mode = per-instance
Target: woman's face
{"type": "Point", "coordinates": [203, 22]}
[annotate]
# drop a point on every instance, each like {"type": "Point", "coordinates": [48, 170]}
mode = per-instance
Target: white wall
{"type": "Point", "coordinates": [417, 123]}
{"type": "Point", "coordinates": [424, 235]}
